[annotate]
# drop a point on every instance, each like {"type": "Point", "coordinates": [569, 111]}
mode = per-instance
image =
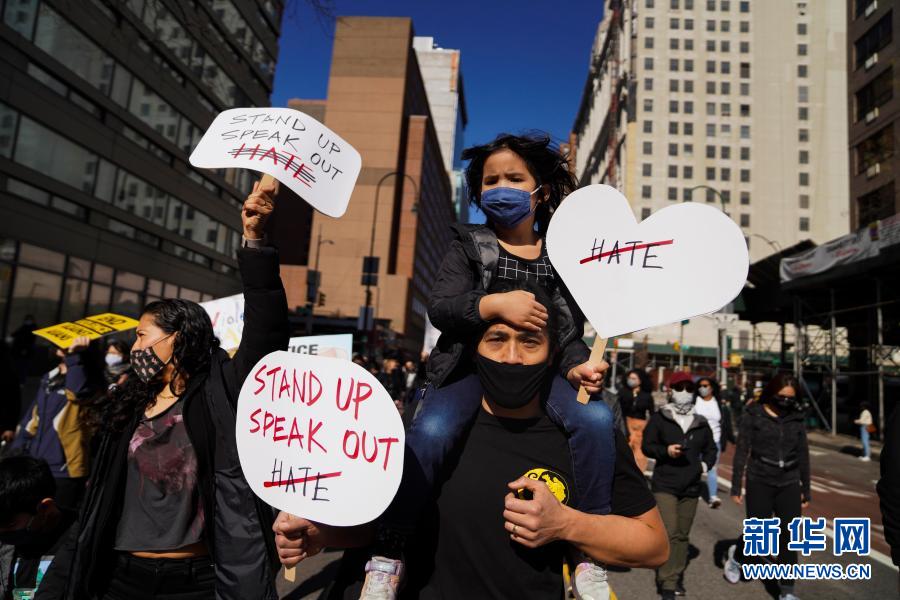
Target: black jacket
{"type": "Point", "coordinates": [889, 485]}
{"type": "Point", "coordinates": [771, 449]}
{"type": "Point", "coordinates": [238, 530]}
{"type": "Point", "coordinates": [678, 476]}
{"type": "Point", "coordinates": [638, 407]}
{"type": "Point", "coordinates": [465, 274]}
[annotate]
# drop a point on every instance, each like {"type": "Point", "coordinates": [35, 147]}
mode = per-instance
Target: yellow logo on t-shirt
{"type": "Point", "coordinates": [555, 482]}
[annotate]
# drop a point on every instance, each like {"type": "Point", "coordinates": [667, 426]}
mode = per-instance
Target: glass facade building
{"type": "Point", "coordinates": [101, 105]}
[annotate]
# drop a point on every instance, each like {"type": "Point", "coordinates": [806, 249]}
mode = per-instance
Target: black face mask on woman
{"type": "Point", "coordinates": [510, 386]}
{"type": "Point", "coordinates": [146, 363]}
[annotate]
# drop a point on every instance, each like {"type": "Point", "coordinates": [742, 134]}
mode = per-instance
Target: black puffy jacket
{"type": "Point", "coordinates": [465, 274]}
{"type": "Point", "coordinates": [678, 476]}
{"type": "Point", "coordinates": [771, 449]}
{"type": "Point", "coordinates": [239, 532]}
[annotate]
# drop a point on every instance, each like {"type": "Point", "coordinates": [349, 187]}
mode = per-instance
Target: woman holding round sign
{"type": "Point", "coordinates": [168, 513]}
{"type": "Point", "coordinates": [518, 182]}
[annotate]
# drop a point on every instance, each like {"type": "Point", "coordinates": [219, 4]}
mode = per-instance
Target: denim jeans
{"type": "Point", "coordinates": [712, 480]}
{"type": "Point", "coordinates": [864, 437]}
{"type": "Point", "coordinates": [444, 417]}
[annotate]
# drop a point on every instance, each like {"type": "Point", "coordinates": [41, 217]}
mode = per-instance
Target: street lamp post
{"type": "Point", "coordinates": [714, 191]}
{"type": "Point", "coordinates": [312, 303]}
{"type": "Point", "coordinates": [372, 252]}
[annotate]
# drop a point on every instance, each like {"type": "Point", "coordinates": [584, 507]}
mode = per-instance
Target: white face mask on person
{"type": "Point", "coordinates": [683, 401]}
{"type": "Point", "coordinates": [705, 391]}
{"type": "Point", "coordinates": [113, 360]}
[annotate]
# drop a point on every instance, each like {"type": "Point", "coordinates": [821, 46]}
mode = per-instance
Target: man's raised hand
{"type": "Point", "coordinates": [257, 208]}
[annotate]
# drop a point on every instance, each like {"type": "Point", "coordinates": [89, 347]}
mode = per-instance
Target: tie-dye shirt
{"type": "Point", "coordinates": [161, 510]}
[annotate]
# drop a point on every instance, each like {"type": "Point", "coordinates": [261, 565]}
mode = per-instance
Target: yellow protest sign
{"type": "Point", "coordinates": [94, 327]}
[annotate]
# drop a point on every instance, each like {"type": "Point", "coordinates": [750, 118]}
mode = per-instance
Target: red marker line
{"type": "Point", "coordinates": [625, 249]}
{"type": "Point", "coordinates": [300, 480]}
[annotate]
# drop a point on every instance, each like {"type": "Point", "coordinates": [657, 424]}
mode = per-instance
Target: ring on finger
{"type": "Point", "coordinates": [515, 528]}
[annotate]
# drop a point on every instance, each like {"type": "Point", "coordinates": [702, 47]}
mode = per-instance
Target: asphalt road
{"type": "Point", "coordinates": [841, 486]}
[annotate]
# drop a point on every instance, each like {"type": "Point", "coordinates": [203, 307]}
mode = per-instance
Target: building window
{"type": "Point", "coordinates": [745, 89]}
{"type": "Point", "coordinates": [648, 126]}
{"type": "Point", "coordinates": [688, 86]}
{"type": "Point", "coordinates": [745, 47]}
{"type": "Point", "coordinates": [725, 26]}
{"type": "Point", "coordinates": [802, 71]}
{"type": "Point", "coordinates": [648, 63]}
{"type": "Point", "coordinates": [647, 169]}
{"type": "Point", "coordinates": [745, 198]}
{"type": "Point", "coordinates": [725, 129]}
{"type": "Point", "coordinates": [710, 45]}
{"type": "Point", "coordinates": [648, 22]}
{"type": "Point", "coordinates": [689, 65]}
{"type": "Point", "coordinates": [725, 109]}
{"type": "Point", "coordinates": [673, 4]}
{"type": "Point", "coordinates": [745, 153]}
{"type": "Point", "coordinates": [804, 200]}
{"type": "Point", "coordinates": [725, 46]}
{"type": "Point", "coordinates": [725, 152]}
{"type": "Point", "coordinates": [673, 85]}
{"type": "Point", "coordinates": [876, 93]}
{"type": "Point", "coordinates": [745, 175]}
{"type": "Point", "coordinates": [673, 106]}
{"type": "Point", "coordinates": [803, 135]}
{"type": "Point", "coordinates": [688, 149]}
{"type": "Point", "coordinates": [802, 49]}
{"type": "Point", "coordinates": [710, 130]}
{"type": "Point", "coordinates": [725, 68]}
{"type": "Point", "coordinates": [673, 127]}
{"type": "Point", "coordinates": [686, 194]}
{"type": "Point", "coordinates": [803, 93]}
{"type": "Point", "coordinates": [804, 157]}
{"type": "Point", "coordinates": [710, 150]}
{"type": "Point", "coordinates": [745, 26]}
{"type": "Point", "coordinates": [688, 172]}
{"type": "Point", "coordinates": [673, 64]}
{"type": "Point", "coordinates": [648, 104]}
{"type": "Point", "coordinates": [874, 149]}
{"type": "Point", "coordinates": [645, 212]}
{"type": "Point", "coordinates": [877, 204]}
{"type": "Point", "coordinates": [673, 193]}
{"type": "Point", "coordinates": [688, 4]}
{"type": "Point", "coordinates": [804, 223]}
{"type": "Point", "coordinates": [726, 5]}
{"type": "Point", "coordinates": [710, 66]}
{"type": "Point", "coordinates": [648, 84]}
{"type": "Point", "coordinates": [745, 6]}
{"type": "Point", "coordinates": [725, 88]}
{"type": "Point", "coordinates": [688, 44]}
{"type": "Point", "coordinates": [688, 24]}
{"type": "Point", "coordinates": [745, 70]}
{"type": "Point", "coordinates": [801, 28]}
{"type": "Point", "coordinates": [648, 43]}
{"type": "Point", "coordinates": [725, 174]}
{"type": "Point", "coordinates": [688, 129]}
{"type": "Point", "coordinates": [710, 110]}
{"type": "Point", "coordinates": [879, 36]}
{"type": "Point", "coordinates": [649, 4]}
{"type": "Point", "coordinates": [804, 179]}
{"type": "Point", "coordinates": [803, 113]}
{"type": "Point", "coordinates": [711, 5]}
{"type": "Point", "coordinates": [745, 110]}
{"type": "Point", "coordinates": [673, 23]}
{"type": "Point", "coordinates": [710, 25]}
{"type": "Point", "coordinates": [673, 172]}
{"type": "Point", "coordinates": [710, 87]}
{"type": "Point", "coordinates": [673, 44]}
{"type": "Point", "coordinates": [673, 149]}
{"type": "Point", "coordinates": [648, 148]}
{"type": "Point", "coordinates": [646, 191]}
{"type": "Point", "coordinates": [745, 220]}
{"type": "Point", "coordinates": [688, 107]}
{"type": "Point", "coordinates": [710, 173]}
{"type": "Point", "coordinates": [745, 132]}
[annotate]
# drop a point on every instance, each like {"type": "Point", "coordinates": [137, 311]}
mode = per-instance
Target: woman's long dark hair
{"type": "Point", "coordinates": [545, 163]}
{"type": "Point", "coordinates": [646, 383]}
{"type": "Point", "coordinates": [195, 344]}
{"type": "Point", "coordinates": [774, 386]}
{"type": "Point", "coordinates": [713, 383]}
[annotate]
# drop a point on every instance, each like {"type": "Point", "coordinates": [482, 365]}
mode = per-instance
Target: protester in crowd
{"type": "Point", "coordinates": [169, 514]}
{"type": "Point", "coordinates": [30, 519]}
{"type": "Point", "coordinates": [637, 404]}
{"type": "Point", "coordinates": [50, 427]}
{"type": "Point", "coordinates": [888, 486]}
{"type": "Point", "coordinates": [23, 347]}
{"type": "Point", "coordinates": [681, 441]}
{"type": "Point", "coordinates": [708, 404]}
{"type": "Point", "coordinates": [10, 396]}
{"type": "Point", "coordinates": [866, 427]}
{"type": "Point", "coordinates": [773, 449]}
{"type": "Point", "coordinates": [410, 374]}
{"type": "Point", "coordinates": [517, 182]}
{"type": "Point", "coordinates": [117, 363]}
{"type": "Point", "coordinates": [509, 504]}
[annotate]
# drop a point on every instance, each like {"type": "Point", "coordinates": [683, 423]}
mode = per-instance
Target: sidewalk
{"type": "Point", "coordinates": [846, 444]}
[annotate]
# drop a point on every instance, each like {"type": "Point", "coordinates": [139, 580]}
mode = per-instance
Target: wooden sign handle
{"type": "Point", "coordinates": [290, 574]}
{"type": "Point", "coordinates": [597, 352]}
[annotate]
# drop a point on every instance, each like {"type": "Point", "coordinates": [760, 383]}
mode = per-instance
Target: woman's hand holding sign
{"type": "Point", "coordinates": [258, 207]}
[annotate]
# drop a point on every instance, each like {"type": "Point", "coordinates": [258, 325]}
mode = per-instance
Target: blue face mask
{"type": "Point", "coordinates": [506, 207]}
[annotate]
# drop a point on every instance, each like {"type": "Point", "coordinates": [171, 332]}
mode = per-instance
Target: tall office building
{"type": "Point", "coordinates": [401, 206]}
{"type": "Point", "coordinates": [440, 69]}
{"type": "Point", "coordinates": [874, 162]}
{"type": "Point", "coordinates": [100, 107]}
{"type": "Point", "coordinates": [747, 99]}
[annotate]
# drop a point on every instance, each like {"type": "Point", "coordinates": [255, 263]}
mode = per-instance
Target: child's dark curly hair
{"type": "Point", "coordinates": [545, 163]}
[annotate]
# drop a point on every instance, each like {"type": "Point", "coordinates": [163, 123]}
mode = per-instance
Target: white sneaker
{"type": "Point", "coordinates": [589, 582]}
{"type": "Point", "coordinates": [864, 458]}
{"type": "Point", "coordinates": [383, 576]}
{"type": "Point", "coordinates": [788, 596]}
{"type": "Point", "coordinates": [715, 502]}
{"type": "Point", "coordinates": [732, 569]}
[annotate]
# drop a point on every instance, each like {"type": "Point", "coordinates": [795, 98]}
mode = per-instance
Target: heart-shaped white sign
{"type": "Point", "coordinates": [626, 276]}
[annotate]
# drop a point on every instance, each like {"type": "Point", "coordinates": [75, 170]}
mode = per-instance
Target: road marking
{"type": "Point", "coordinates": [817, 453]}
{"type": "Point", "coordinates": [874, 554]}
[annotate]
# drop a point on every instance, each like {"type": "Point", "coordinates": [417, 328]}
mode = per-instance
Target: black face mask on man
{"type": "Point", "coordinates": [510, 386]}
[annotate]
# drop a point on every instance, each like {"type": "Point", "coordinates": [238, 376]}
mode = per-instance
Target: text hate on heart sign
{"type": "Point", "coordinates": [313, 161]}
{"type": "Point", "coordinates": [319, 438]}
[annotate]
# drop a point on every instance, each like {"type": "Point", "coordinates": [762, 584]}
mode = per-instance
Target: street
{"type": "Point", "coordinates": [842, 486]}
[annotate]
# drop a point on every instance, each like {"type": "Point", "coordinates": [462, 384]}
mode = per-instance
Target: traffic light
{"type": "Point", "coordinates": [322, 299]}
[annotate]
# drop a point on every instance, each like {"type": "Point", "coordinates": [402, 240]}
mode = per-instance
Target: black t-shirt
{"type": "Point", "coordinates": [43, 547]}
{"type": "Point", "coordinates": [462, 549]}
{"type": "Point", "coordinates": [516, 268]}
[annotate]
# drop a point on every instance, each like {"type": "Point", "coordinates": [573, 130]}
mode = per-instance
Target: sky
{"type": "Point", "coordinates": [524, 62]}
